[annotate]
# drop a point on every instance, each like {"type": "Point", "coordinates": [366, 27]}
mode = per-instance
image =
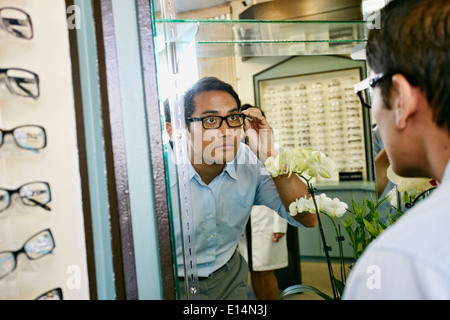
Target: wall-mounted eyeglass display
{"type": "Point", "coordinates": [36, 247]}
{"type": "Point", "coordinates": [16, 22]}
{"type": "Point", "coordinates": [31, 194]}
{"type": "Point", "coordinates": [29, 137]}
{"type": "Point", "coordinates": [55, 294]}
{"type": "Point", "coordinates": [20, 82]}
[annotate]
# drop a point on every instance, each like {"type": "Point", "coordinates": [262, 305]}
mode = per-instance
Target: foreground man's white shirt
{"type": "Point", "coordinates": [411, 259]}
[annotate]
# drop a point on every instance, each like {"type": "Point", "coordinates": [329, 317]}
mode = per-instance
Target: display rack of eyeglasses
{"type": "Point", "coordinates": [321, 112]}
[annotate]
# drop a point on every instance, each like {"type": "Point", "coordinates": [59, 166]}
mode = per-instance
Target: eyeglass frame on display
{"type": "Point", "coordinates": [36, 203]}
{"type": "Point", "coordinates": [3, 133]}
{"type": "Point", "coordinates": [16, 33]}
{"type": "Point", "coordinates": [22, 250]}
{"type": "Point", "coordinates": [8, 79]}
{"type": "Point", "coordinates": [195, 119]}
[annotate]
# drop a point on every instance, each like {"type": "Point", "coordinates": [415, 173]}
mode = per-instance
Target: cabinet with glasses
{"type": "Point", "coordinates": [310, 103]}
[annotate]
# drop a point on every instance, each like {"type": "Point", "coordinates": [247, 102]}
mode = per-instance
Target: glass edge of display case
{"type": "Point", "coordinates": [218, 38]}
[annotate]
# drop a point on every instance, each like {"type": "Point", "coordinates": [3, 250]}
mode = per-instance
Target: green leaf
{"type": "Point", "coordinates": [391, 220]}
{"type": "Point", "coordinates": [339, 286]}
{"type": "Point", "coordinates": [299, 288]}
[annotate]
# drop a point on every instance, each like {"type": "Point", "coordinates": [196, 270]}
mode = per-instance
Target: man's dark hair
{"type": "Point", "coordinates": [414, 40]}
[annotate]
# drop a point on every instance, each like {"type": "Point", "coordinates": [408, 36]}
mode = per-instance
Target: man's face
{"type": "Point", "coordinates": [214, 146]}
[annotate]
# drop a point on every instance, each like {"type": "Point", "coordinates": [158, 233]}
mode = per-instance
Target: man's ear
{"type": "Point", "coordinates": [404, 100]}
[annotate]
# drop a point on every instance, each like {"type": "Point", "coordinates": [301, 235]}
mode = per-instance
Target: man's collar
{"type": "Point", "coordinates": [230, 168]}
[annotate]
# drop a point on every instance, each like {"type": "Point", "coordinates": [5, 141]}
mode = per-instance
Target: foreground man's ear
{"type": "Point", "coordinates": [405, 100]}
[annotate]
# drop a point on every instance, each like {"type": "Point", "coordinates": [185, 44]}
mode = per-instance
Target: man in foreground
{"type": "Point", "coordinates": [410, 61]}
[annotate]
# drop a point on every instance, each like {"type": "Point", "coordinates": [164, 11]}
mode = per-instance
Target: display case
{"type": "Point", "coordinates": [310, 102]}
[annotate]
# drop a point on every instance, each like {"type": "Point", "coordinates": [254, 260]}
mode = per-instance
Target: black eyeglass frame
{"type": "Point", "coordinates": [36, 203]}
{"type": "Point", "coordinates": [22, 80]}
{"type": "Point", "coordinates": [11, 132]}
{"type": "Point", "coordinates": [22, 250]}
{"type": "Point", "coordinates": [240, 115]}
{"type": "Point", "coordinates": [17, 34]}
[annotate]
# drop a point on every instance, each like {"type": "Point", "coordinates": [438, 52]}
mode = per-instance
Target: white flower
{"type": "Point", "coordinates": [301, 205]}
{"type": "Point", "coordinates": [273, 166]}
{"type": "Point", "coordinates": [301, 159]}
{"type": "Point", "coordinates": [332, 207]}
{"type": "Point", "coordinates": [411, 185]}
{"type": "Point", "coordinates": [320, 164]}
{"type": "Point", "coordinates": [293, 209]}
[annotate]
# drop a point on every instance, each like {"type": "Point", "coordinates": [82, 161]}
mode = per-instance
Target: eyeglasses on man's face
{"type": "Point", "coordinates": [370, 82]}
{"type": "Point", "coordinates": [31, 194]}
{"type": "Point", "coordinates": [20, 82]}
{"type": "Point", "coordinates": [214, 122]}
{"type": "Point", "coordinates": [36, 247]}
{"type": "Point", "coordinates": [16, 22]}
{"type": "Point", "coordinates": [29, 137]}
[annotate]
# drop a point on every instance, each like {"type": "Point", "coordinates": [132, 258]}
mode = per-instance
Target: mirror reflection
{"type": "Point", "coordinates": [230, 217]}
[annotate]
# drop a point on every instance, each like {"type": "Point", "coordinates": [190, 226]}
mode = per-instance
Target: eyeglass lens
{"type": "Point", "coordinates": [16, 22]}
{"type": "Point", "coordinates": [21, 82]}
{"type": "Point", "coordinates": [214, 122]}
{"type": "Point", "coordinates": [28, 137]}
{"type": "Point", "coordinates": [34, 248]}
{"type": "Point", "coordinates": [31, 194]}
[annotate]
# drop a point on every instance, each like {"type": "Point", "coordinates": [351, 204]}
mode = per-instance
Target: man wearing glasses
{"type": "Point", "coordinates": [227, 178]}
{"type": "Point", "coordinates": [410, 62]}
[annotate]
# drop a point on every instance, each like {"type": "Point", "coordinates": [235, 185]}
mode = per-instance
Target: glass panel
{"type": "Point", "coordinates": [252, 38]}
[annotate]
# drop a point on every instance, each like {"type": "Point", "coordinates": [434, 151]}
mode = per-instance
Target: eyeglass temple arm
{"type": "Point", "coordinates": [23, 80]}
{"type": "Point", "coordinates": [15, 22]}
